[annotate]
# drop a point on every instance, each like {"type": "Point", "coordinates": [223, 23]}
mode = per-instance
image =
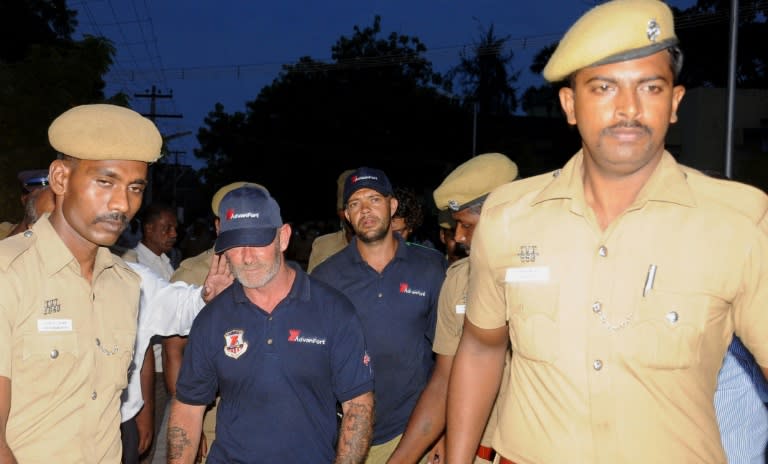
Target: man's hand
{"type": "Point", "coordinates": [145, 424]}
{"type": "Point", "coordinates": [218, 278]}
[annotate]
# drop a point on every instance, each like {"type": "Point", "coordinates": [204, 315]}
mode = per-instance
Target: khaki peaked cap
{"type": "Point", "coordinates": [340, 188]}
{"type": "Point", "coordinates": [472, 180]}
{"type": "Point", "coordinates": [617, 30]}
{"type": "Point", "coordinates": [105, 132]}
{"type": "Point", "coordinates": [219, 195]}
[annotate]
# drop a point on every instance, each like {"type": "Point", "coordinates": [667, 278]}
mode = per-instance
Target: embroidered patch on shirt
{"type": "Point", "coordinates": [235, 344]}
{"type": "Point", "coordinates": [528, 254]}
{"type": "Point", "coordinates": [51, 306]}
{"type": "Point", "coordinates": [406, 289]}
{"type": "Point", "coordinates": [294, 336]}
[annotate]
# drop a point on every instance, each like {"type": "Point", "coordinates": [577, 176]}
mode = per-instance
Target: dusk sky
{"type": "Point", "coordinates": [208, 51]}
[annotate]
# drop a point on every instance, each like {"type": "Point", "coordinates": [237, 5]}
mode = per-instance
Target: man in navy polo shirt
{"type": "Point", "coordinates": [281, 349]}
{"type": "Point", "coordinates": [394, 286]}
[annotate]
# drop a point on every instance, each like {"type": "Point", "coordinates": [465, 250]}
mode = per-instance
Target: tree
{"type": "Point", "coordinates": [542, 99]}
{"type": "Point", "coordinates": [378, 103]}
{"type": "Point", "coordinates": [485, 77]}
{"type": "Point", "coordinates": [43, 72]}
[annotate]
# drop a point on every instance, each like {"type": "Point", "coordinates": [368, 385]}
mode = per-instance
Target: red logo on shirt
{"type": "Point", "coordinates": [403, 287]}
{"type": "Point", "coordinates": [293, 335]}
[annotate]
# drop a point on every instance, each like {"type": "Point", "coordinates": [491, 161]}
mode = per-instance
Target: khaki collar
{"type": "Point", "coordinates": [668, 183]}
{"type": "Point", "coordinates": [56, 256]}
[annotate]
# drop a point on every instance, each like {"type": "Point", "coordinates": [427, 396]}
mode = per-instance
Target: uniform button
{"type": "Point", "coordinates": [596, 307]}
{"type": "Point", "coordinates": [54, 353]}
{"type": "Point", "coordinates": [94, 396]}
{"type": "Point", "coordinates": [28, 233]}
{"type": "Point", "coordinates": [380, 295]}
{"type": "Point", "coordinates": [556, 173]}
{"type": "Point", "coordinates": [270, 318]}
{"type": "Point", "coordinates": [269, 341]}
{"type": "Point", "coordinates": [603, 251]}
{"type": "Point", "coordinates": [672, 317]}
{"type": "Point", "coordinates": [597, 364]}
{"type": "Point", "coordinates": [98, 342]}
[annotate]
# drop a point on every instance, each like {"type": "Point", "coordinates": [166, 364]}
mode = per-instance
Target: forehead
{"type": "Point", "coordinates": [127, 170]}
{"type": "Point", "coordinates": [657, 65]}
{"type": "Point", "coordinates": [364, 193]}
{"type": "Point", "coordinates": [465, 216]}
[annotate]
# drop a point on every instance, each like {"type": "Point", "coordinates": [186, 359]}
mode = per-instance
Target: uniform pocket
{"type": "Point", "coordinates": [669, 329]}
{"type": "Point", "coordinates": [117, 351]}
{"type": "Point", "coordinates": [532, 310]}
{"type": "Point", "coordinates": [49, 358]}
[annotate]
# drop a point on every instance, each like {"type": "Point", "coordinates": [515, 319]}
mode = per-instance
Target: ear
{"type": "Point", "coordinates": [285, 236]}
{"type": "Point", "coordinates": [393, 206]}
{"type": "Point", "coordinates": [566, 102]}
{"type": "Point", "coordinates": [58, 176]}
{"type": "Point", "coordinates": [346, 215]}
{"type": "Point", "coordinates": [677, 95]}
{"type": "Point", "coordinates": [217, 225]}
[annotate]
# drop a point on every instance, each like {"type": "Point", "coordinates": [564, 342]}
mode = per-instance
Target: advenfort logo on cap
{"type": "Point", "coordinates": [250, 217]}
{"type": "Point", "coordinates": [371, 178]}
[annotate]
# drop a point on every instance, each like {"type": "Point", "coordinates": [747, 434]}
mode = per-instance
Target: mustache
{"type": "Point", "coordinates": [627, 125]}
{"type": "Point", "coordinates": [111, 217]}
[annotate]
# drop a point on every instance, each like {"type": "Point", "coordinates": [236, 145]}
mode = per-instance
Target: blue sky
{"type": "Point", "coordinates": [208, 51]}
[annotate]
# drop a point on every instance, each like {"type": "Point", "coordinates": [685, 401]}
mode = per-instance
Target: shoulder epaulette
{"type": "Point", "coordinates": [13, 247]}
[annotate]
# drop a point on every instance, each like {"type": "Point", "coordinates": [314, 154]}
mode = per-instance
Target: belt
{"type": "Point", "coordinates": [503, 460]}
{"type": "Point", "coordinates": [486, 453]}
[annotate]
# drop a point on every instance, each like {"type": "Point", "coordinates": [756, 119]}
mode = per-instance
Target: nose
{"type": "Point", "coordinates": [628, 104]}
{"type": "Point", "coordinates": [460, 236]}
{"type": "Point", "coordinates": [118, 202]}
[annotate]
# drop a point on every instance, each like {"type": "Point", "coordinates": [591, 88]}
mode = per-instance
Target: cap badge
{"type": "Point", "coordinates": [235, 345]}
{"type": "Point", "coordinates": [653, 31]}
{"type": "Point", "coordinates": [453, 204]}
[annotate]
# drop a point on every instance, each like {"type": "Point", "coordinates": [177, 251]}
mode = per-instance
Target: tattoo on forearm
{"type": "Point", "coordinates": [355, 433]}
{"type": "Point", "coordinates": [178, 441]}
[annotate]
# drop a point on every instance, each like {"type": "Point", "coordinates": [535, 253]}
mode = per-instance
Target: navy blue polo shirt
{"type": "Point", "coordinates": [279, 375]}
{"type": "Point", "coordinates": [398, 308]}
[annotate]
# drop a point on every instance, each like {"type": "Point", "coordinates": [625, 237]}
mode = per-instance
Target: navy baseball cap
{"type": "Point", "coordinates": [249, 217]}
{"type": "Point", "coordinates": [371, 178]}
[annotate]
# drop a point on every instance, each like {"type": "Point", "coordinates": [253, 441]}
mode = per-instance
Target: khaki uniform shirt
{"type": "Point", "coordinates": [603, 371]}
{"type": "Point", "coordinates": [450, 324]}
{"type": "Point", "coordinates": [67, 346]}
{"type": "Point", "coordinates": [325, 246]}
{"type": "Point", "coordinates": [5, 229]}
{"type": "Point", "coordinates": [194, 270]}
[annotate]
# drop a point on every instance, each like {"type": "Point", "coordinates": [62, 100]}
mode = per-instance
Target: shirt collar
{"type": "Point", "coordinates": [668, 183]}
{"type": "Point", "coordinates": [56, 256]}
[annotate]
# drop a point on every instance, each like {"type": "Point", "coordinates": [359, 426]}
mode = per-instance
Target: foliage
{"type": "Point", "coordinates": [378, 102]}
{"type": "Point", "coordinates": [43, 72]}
{"type": "Point", "coordinates": [484, 75]}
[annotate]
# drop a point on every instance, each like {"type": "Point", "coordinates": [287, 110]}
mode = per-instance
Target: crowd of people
{"type": "Point", "coordinates": [607, 312]}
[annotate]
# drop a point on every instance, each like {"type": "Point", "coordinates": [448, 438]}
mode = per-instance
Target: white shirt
{"type": "Point", "coordinates": [164, 309]}
{"type": "Point", "coordinates": [160, 265]}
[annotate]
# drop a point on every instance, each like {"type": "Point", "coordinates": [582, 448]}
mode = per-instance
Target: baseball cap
{"type": "Point", "coordinates": [249, 217]}
{"type": "Point", "coordinates": [216, 200]}
{"type": "Point", "coordinates": [365, 177]}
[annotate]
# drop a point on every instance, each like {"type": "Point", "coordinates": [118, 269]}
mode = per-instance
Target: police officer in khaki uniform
{"type": "Point", "coordinates": [193, 271]}
{"type": "Point", "coordinates": [463, 193]}
{"type": "Point", "coordinates": [328, 245]}
{"type": "Point", "coordinates": [31, 181]}
{"type": "Point", "coordinates": [68, 305]}
{"type": "Point", "coordinates": [622, 277]}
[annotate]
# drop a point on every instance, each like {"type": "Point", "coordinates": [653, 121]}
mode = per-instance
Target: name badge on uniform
{"type": "Point", "coordinates": [54, 325]}
{"type": "Point", "coordinates": [461, 309]}
{"type": "Point", "coordinates": [527, 274]}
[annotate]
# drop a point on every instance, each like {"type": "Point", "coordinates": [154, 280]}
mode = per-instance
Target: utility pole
{"type": "Point", "coordinates": [153, 115]}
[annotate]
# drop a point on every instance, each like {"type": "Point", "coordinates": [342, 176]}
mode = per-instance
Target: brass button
{"type": "Point", "coordinates": [597, 364]}
{"type": "Point", "coordinates": [597, 307]}
{"type": "Point", "coordinates": [603, 251]}
{"type": "Point", "coordinates": [94, 395]}
{"type": "Point", "coordinates": [28, 233]}
{"type": "Point", "coordinates": [672, 317]}
{"type": "Point", "coordinates": [54, 353]}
